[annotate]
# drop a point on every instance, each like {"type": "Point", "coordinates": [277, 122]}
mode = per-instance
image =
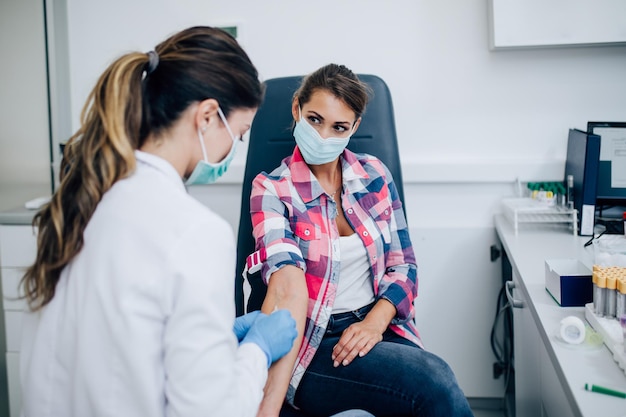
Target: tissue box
{"type": "Point", "coordinates": [568, 281]}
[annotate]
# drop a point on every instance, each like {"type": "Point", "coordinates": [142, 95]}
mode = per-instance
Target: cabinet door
{"type": "Point", "coordinates": [18, 245]}
{"type": "Point", "coordinates": [11, 292]}
{"type": "Point", "coordinates": [554, 400]}
{"type": "Point", "coordinates": [527, 359]}
{"type": "Point", "coordinates": [15, 393]}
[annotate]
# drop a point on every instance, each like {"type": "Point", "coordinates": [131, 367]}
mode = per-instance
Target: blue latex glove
{"type": "Point", "coordinates": [273, 333]}
{"type": "Point", "coordinates": [243, 323]}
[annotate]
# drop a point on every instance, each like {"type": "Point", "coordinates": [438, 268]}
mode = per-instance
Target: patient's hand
{"type": "Point", "coordinates": [358, 339]}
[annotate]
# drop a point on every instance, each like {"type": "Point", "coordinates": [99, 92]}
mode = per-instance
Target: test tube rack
{"type": "Point", "coordinates": [530, 211]}
{"type": "Point", "coordinates": [611, 332]}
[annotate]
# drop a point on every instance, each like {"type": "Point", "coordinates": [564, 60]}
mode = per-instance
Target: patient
{"type": "Point", "coordinates": [339, 257]}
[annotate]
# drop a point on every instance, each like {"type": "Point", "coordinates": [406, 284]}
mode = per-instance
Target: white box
{"type": "Point", "coordinates": [568, 281]}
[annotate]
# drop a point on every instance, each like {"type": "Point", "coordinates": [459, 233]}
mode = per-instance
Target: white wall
{"type": "Point", "coordinates": [470, 121]}
{"type": "Point", "coordinates": [457, 103]}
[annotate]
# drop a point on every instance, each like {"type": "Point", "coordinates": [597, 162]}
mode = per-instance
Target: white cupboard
{"type": "Point", "coordinates": [17, 251]}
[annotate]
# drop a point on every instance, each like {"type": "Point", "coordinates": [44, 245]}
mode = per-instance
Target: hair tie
{"type": "Point", "coordinates": [153, 62]}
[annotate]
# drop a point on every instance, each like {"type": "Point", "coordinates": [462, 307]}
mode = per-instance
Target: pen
{"type": "Point", "coordinates": [603, 390]}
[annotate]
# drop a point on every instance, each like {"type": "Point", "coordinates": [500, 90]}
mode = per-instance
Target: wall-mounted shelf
{"type": "Point", "coordinates": [540, 23]}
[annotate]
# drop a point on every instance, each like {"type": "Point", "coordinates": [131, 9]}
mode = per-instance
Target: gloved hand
{"type": "Point", "coordinates": [273, 333]}
{"type": "Point", "coordinates": [243, 323]}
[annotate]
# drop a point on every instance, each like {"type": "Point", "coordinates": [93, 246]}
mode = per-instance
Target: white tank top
{"type": "Point", "coordinates": [355, 288]}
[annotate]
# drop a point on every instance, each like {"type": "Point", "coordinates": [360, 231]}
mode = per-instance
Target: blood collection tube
{"type": "Point", "coordinates": [599, 305]}
{"type": "Point", "coordinates": [620, 309]}
{"type": "Point", "coordinates": [611, 297]}
{"type": "Point", "coordinates": [594, 281]}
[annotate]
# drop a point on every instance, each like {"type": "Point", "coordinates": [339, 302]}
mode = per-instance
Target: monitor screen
{"type": "Point", "coordinates": [612, 170]}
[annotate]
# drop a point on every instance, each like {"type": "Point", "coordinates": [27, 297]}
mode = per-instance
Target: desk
{"type": "Point", "coordinates": [550, 375]}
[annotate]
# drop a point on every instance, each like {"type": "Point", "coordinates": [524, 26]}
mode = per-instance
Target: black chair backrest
{"type": "Point", "coordinates": [271, 140]}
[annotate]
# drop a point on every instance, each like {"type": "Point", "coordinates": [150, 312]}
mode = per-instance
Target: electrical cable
{"type": "Point", "coordinates": [495, 346]}
{"type": "Point", "coordinates": [503, 351]}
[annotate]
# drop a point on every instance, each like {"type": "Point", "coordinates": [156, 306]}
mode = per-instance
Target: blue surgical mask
{"type": "Point", "coordinates": [314, 149]}
{"type": "Point", "coordinates": [206, 172]}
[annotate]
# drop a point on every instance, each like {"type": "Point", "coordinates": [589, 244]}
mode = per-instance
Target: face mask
{"type": "Point", "coordinates": [206, 172]}
{"type": "Point", "coordinates": [314, 149]}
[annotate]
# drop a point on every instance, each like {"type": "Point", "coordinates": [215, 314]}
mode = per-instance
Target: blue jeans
{"type": "Point", "coordinates": [396, 378]}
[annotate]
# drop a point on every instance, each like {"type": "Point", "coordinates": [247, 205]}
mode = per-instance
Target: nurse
{"type": "Point", "coordinates": [131, 294]}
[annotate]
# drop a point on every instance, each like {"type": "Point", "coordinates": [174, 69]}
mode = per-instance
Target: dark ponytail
{"type": "Point", "coordinates": [341, 82]}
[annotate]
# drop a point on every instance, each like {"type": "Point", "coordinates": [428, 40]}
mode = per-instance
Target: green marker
{"type": "Point", "coordinates": [602, 390]}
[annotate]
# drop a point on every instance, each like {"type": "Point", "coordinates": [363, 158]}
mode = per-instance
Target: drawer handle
{"type": "Point", "coordinates": [509, 285]}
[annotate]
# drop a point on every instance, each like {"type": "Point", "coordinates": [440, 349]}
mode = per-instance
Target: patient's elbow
{"type": "Point", "coordinates": [287, 288]}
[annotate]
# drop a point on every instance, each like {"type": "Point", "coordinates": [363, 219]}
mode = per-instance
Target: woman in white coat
{"type": "Point", "coordinates": [131, 293]}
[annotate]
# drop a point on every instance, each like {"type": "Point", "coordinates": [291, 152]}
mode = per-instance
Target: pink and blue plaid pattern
{"type": "Point", "coordinates": [293, 220]}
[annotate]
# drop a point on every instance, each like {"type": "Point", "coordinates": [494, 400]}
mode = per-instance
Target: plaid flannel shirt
{"type": "Point", "coordinates": [293, 220]}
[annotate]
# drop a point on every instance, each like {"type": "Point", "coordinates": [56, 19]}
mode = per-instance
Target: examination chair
{"type": "Point", "coordinates": [271, 140]}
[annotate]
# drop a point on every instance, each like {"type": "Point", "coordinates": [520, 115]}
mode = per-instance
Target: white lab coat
{"type": "Point", "coordinates": [141, 321]}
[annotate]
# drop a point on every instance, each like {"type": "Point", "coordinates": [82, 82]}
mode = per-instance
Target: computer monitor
{"type": "Point", "coordinates": [611, 189]}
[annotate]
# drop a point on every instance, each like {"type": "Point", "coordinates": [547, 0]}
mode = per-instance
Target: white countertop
{"type": "Point", "coordinates": [13, 197]}
{"type": "Point", "coordinates": [528, 250]}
